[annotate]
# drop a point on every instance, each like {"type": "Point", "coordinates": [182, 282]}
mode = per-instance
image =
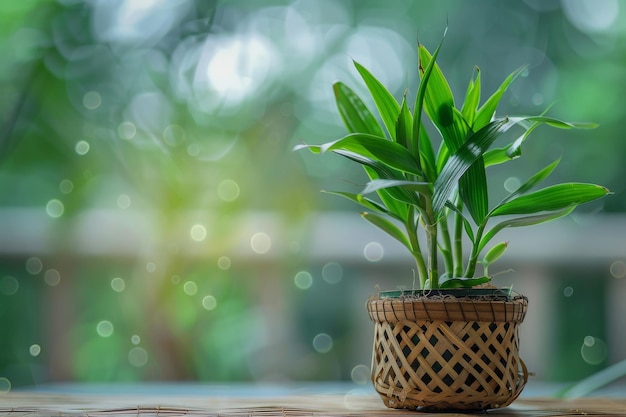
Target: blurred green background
{"type": "Point", "coordinates": [155, 224]}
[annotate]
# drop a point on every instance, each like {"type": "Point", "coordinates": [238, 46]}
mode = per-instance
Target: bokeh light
{"type": "Point", "coordinates": [5, 385]}
{"type": "Point", "coordinates": [360, 374]}
{"type": "Point", "coordinates": [91, 100]}
{"type": "Point", "coordinates": [104, 328]}
{"type": "Point", "coordinates": [52, 277]}
{"type": "Point", "coordinates": [224, 262]}
{"type": "Point", "coordinates": [373, 252]}
{"type": "Point", "coordinates": [9, 285]}
{"type": "Point", "coordinates": [55, 208]}
{"type": "Point", "coordinates": [618, 269]}
{"type": "Point", "coordinates": [511, 184]}
{"type": "Point", "coordinates": [174, 135]}
{"type": "Point", "coordinates": [594, 351]}
{"type": "Point", "coordinates": [34, 265]}
{"type": "Point", "coordinates": [82, 147]}
{"type": "Point", "coordinates": [568, 291]}
{"type": "Point", "coordinates": [123, 201]}
{"type": "Point", "coordinates": [322, 343]}
{"type": "Point", "coordinates": [587, 16]}
{"type": "Point", "coordinates": [126, 130]}
{"type": "Point", "coordinates": [235, 67]}
{"type": "Point", "coordinates": [190, 288]}
{"type": "Point", "coordinates": [118, 284]}
{"type": "Point", "coordinates": [34, 350]}
{"type": "Point", "coordinates": [303, 280]}
{"type": "Point", "coordinates": [209, 303]}
{"type": "Point", "coordinates": [66, 186]}
{"type": "Point", "coordinates": [261, 243]}
{"type": "Point", "coordinates": [332, 273]}
{"type": "Point", "coordinates": [138, 357]}
{"type": "Point", "coordinates": [198, 232]}
{"type": "Point", "coordinates": [228, 190]}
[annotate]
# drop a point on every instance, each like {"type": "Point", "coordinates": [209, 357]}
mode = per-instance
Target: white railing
{"type": "Point", "coordinates": [341, 235]}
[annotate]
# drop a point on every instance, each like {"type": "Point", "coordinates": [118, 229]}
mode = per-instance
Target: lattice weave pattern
{"type": "Point", "coordinates": [447, 364]}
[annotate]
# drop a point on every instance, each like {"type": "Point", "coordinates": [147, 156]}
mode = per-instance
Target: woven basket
{"type": "Point", "coordinates": [447, 353]}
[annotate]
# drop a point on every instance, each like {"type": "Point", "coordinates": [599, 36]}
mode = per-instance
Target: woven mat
{"type": "Point", "coordinates": [75, 405]}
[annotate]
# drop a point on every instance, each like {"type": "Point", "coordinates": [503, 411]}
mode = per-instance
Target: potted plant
{"type": "Point", "coordinates": [453, 343]}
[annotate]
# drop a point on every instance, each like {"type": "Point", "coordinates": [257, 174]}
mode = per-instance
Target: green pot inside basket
{"type": "Point", "coordinates": [472, 293]}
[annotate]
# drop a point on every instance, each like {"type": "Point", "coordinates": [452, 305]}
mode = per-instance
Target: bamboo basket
{"type": "Point", "coordinates": [447, 353]}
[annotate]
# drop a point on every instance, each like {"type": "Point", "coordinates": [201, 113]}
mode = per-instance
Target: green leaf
{"type": "Point", "coordinates": [387, 106]}
{"type": "Point", "coordinates": [495, 253]}
{"type": "Point", "coordinates": [404, 125]}
{"type": "Point", "coordinates": [362, 201]}
{"type": "Point", "coordinates": [396, 206]}
{"type": "Point", "coordinates": [472, 98]}
{"type": "Point", "coordinates": [419, 133]}
{"type": "Point", "coordinates": [595, 381]}
{"type": "Point", "coordinates": [442, 156]}
{"type": "Point", "coordinates": [473, 190]}
{"type": "Point", "coordinates": [423, 188]}
{"type": "Point", "coordinates": [390, 153]}
{"type": "Point", "coordinates": [461, 161]}
{"type": "Point", "coordinates": [524, 221]}
{"type": "Point", "coordinates": [438, 102]}
{"type": "Point", "coordinates": [497, 156]}
{"type": "Point", "coordinates": [376, 169]}
{"type": "Point", "coordinates": [466, 224]}
{"type": "Point", "coordinates": [487, 110]}
{"type": "Point", "coordinates": [530, 123]}
{"type": "Point", "coordinates": [427, 156]}
{"type": "Point", "coordinates": [438, 99]}
{"type": "Point", "coordinates": [445, 282]}
{"type": "Point", "coordinates": [514, 150]}
{"type": "Point", "coordinates": [439, 105]}
{"type": "Point", "coordinates": [532, 181]}
{"type": "Point", "coordinates": [561, 124]}
{"type": "Point", "coordinates": [555, 197]}
{"type": "Point", "coordinates": [400, 190]}
{"type": "Point", "coordinates": [355, 114]}
{"type": "Point", "coordinates": [473, 149]}
{"type": "Point", "coordinates": [457, 133]}
{"type": "Point", "coordinates": [388, 227]}
{"type": "Point", "coordinates": [359, 119]}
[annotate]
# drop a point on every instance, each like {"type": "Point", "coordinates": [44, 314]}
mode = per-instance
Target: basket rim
{"type": "Point", "coordinates": [447, 308]}
{"type": "Point", "coordinates": [486, 293]}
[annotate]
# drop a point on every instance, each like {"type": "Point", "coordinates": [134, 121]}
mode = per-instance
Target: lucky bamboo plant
{"type": "Point", "coordinates": [431, 201]}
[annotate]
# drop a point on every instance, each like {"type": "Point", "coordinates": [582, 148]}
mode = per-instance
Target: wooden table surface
{"type": "Point", "coordinates": [266, 403]}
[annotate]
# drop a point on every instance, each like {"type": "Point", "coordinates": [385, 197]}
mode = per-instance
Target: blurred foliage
{"type": "Point", "coordinates": [160, 107]}
{"type": "Point", "coordinates": [172, 98]}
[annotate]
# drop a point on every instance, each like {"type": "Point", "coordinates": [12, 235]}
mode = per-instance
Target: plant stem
{"type": "Point", "coordinates": [421, 268]}
{"type": "Point", "coordinates": [446, 251]}
{"type": "Point", "coordinates": [411, 229]}
{"type": "Point", "coordinates": [430, 226]}
{"type": "Point", "coordinates": [458, 241]}
{"type": "Point", "coordinates": [431, 230]}
{"type": "Point", "coordinates": [471, 265]}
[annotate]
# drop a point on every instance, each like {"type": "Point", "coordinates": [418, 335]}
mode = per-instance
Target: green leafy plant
{"type": "Point", "coordinates": [431, 201]}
